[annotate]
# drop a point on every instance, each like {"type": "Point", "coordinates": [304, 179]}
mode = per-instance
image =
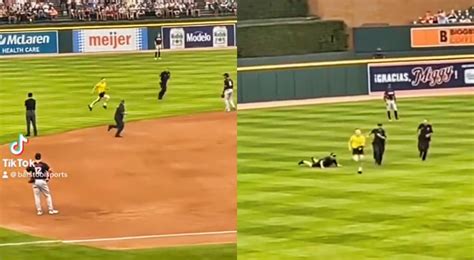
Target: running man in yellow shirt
{"type": "Point", "coordinates": [356, 145]}
{"type": "Point", "coordinates": [100, 88]}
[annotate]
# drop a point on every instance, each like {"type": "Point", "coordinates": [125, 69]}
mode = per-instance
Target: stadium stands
{"type": "Point", "coordinates": [80, 10]}
{"type": "Point", "coordinates": [443, 17]}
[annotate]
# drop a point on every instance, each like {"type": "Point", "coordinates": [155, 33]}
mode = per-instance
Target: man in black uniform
{"type": "Point", "coordinates": [119, 115]}
{"type": "Point", "coordinates": [391, 102]}
{"type": "Point", "coordinates": [325, 162]}
{"type": "Point", "coordinates": [378, 143]}
{"type": "Point", "coordinates": [164, 77]}
{"type": "Point", "coordinates": [39, 173]}
{"type": "Point", "coordinates": [30, 105]}
{"type": "Point", "coordinates": [158, 42]}
{"type": "Point", "coordinates": [228, 93]}
{"type": "Point", "coordinates": [425, 130]}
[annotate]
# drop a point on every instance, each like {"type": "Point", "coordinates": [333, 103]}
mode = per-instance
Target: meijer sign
{"type": "Point", "coordinates": [105, 40]}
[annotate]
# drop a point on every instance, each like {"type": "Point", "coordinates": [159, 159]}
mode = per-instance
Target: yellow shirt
{"type": "Point", "coordinates": [101, 87]}
{"type": "Point", "coordinates": [356, 141]}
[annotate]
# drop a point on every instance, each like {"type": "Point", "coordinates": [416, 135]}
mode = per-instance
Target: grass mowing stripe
{"type": "Point", "coordinates": [404, 210]}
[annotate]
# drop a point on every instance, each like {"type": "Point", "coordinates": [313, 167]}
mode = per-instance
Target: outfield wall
{"type": "Point", "coordinates": [413, 37]}
{"type": "Point", "coordinates": [352, 77]}
{"type": "Point", "coordinates": [117, 38]}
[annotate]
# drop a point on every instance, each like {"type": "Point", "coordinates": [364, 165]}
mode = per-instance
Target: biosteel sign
{"type": "Point", "coordinates": [28, 43]}
{"type": "Point", "coordinates": [199, 37]}
{"type": "Point", "coordinates": [110, 40]}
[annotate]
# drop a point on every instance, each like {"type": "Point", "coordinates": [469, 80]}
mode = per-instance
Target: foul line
{"type": "Point", "coordinates": [78, 241]}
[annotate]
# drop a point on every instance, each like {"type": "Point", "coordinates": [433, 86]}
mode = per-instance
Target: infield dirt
{"type": "Point", "coordinates": [166, 176]}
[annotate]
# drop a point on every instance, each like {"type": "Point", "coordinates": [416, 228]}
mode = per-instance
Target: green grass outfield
{"type": "Point", "coordinates": [63, 251]}
{"type": "Point", "coordinates": [62, 87]}
{"type": "Point", "coordinates": [406, 209]}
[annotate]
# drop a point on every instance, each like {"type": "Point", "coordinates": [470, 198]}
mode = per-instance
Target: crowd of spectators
{"type": "Point", "coordinates": [222, 6]}
{"type": "Point", "coordinates": [110, 10]}
{"type": "Point", "coordinates": [28, 12]}
{"type": "Point", "coordinates": [451, 17]}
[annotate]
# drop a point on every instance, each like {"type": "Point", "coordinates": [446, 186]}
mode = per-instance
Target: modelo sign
{"type": "Point", "coordinates": [421, 75]}
{"type": "Point", "coordinates": [199, 37]}
{"type": "Point", "coordinates": [110, 40]}
{"type": "Point", "coordinates": [28, 43]}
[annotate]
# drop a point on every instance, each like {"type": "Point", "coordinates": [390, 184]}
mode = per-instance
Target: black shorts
{"type": "Point", "coordinates": [101, 94]}
{"type": "Point", "coordinates": [358, 151]}
{"type": "Point", "coordinates": [423, 145]}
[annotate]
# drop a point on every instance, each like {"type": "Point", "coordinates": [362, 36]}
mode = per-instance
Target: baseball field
{"type": "Point", "coordinates": [405, 209]}
{"type": "Point", "coordinates": [132, 197]}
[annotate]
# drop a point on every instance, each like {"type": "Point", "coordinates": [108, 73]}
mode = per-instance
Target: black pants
{"type": "Point", "coordinates": [31, 120]}
{"type": "Point", "coordinates": [379, 150]}
{"type": "Point", "coordinates": [163, 90]}
{"type": "Point", "coordinates": [119, 124]}
{"type": "Point", "coordinates": [423, 147]}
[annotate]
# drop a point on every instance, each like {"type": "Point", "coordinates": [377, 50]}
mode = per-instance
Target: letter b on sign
{"type": "Point", "coordinates": [443, 36]}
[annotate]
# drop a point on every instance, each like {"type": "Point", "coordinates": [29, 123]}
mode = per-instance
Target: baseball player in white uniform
{"type": "Point", "coordinates": [391, 102]}
{"type": "Point", "coordinates": [228, 93]}
{"type": "Point", "coordinates": [39, 179]}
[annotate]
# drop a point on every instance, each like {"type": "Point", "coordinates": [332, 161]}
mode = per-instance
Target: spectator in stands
{"type": "Point", "coordinates": [53, 13]}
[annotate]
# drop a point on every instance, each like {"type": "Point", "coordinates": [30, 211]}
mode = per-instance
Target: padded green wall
{"type": "Point", "coordinates": [262, 9]}
{"type": "Point", "coordinates": [291, 38]}
{"type": "Point", "coordinates": [314, 82]}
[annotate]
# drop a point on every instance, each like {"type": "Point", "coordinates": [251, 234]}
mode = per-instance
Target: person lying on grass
{"type": "Point", "coordinates": [328, 161]}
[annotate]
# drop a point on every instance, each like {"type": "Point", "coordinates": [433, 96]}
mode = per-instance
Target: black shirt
{"type": "Point", "coordinates": [327, 161]}
{"type": "Point", "coordinates": [389, 95]}
{"type": "Point", "coordinates": [158, 40]}
{"type": "Point", "coordinates": [228, 84]}
{"type": "Point", "coordinates": [165, 76]}
{"type": "Point", "coordinates": [30, 104]}
{"type": "Point", "coordinates": [377, 139]}
{"type": "Point", "coordinates": [39, 170]}
{"type": "Point", "coordinates": [119, 112]}
{"type": "Point", "coordinates": [424, 130]}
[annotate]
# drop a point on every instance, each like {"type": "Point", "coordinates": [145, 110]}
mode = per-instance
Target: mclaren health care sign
{"type": "Point", "coordinates": [110, 40]}
{"type": "Point", "coordinates": [27, 43]}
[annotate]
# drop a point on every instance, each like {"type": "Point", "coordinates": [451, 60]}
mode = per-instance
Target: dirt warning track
{"type": "Point", "coordinates": [168, 176]}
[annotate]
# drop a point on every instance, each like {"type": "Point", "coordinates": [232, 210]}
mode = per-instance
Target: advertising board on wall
{"type": "Point", "coordinates": [199, 37]}
{"type": "Point", "coordinates": [421, 75]}
{"type": "Point", "coordinates": [447, 36]}
{"type": "Point", "coordinates": [110, 40]}
{"type": "Point", "coordinates": [27, 43]}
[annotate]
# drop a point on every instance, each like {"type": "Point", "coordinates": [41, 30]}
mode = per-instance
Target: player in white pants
{"type": "Point", "coordinates": [39, 179]}
{"type": "Point", "coordinates": [228, 93]}
{"type": "Point", "coordinates": [391, 102]}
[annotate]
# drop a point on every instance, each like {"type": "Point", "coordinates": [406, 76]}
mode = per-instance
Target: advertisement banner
{"type": "Point", "coordinates": [421, 75]}
{"type": "Point", "coordinates": [447, 36]}
{"type": "Point", "coordinates": [108, 40]}
{"type": "Point", "coordinates": [199, 37]}
{"type": "Point", "coordinates": [27, 43]}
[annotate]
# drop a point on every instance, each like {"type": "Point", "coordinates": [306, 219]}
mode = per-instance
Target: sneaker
{"type": "Point", "coordinates": [301, 162]}
{"type": "Point", "coordinates": [155, 58]}
{"type": "Point", "coordinates": [39, 212]}
{"type": "Point", "coordinates": [108, 128]}
{"type": "Point", "coordinates": [53, 212]}
{"type": "Point", "coordinates": [90, 108]}
{"type": "Point", "coordinates": [118, 136]}
{"type": "Point", "coordinates": [104, 106]}
{"type": "Point", "coordinates": [159, 58]}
